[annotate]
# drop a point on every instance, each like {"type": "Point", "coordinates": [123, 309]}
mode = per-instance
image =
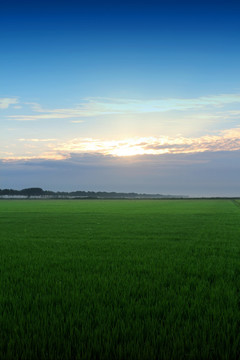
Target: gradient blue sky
{"type": "Point", "coordinates": [124, 96]}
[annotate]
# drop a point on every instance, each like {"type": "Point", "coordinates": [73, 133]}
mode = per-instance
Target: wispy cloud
{"type": "Point", "coordinates": [44, 156]}
{"type": "Point", "coordinates": [90, 107]}
{"type": "Point", "coordinates": [36, 140]}
{"type": "Point", "coordinates": [6, 102]}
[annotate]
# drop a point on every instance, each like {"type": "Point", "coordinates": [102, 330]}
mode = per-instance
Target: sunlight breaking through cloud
{"type": "Point", "coordinates": [227, 140]}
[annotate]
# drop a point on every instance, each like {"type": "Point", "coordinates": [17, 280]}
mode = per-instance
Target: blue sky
{"type": "Point", "coordinates": [124, 83]}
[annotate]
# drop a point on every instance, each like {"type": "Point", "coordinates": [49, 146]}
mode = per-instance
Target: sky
{"type": "Point", "coordinates": [128, 96]}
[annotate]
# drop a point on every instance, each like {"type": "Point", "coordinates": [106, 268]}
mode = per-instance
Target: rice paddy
{"type": "Point", "coordinates": [119, 279]}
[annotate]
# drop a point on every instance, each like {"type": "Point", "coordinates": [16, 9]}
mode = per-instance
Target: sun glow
{"type": "Point", "coordinates": [126, 151]}
{"type": "Point", "coordinates": [227, 140]}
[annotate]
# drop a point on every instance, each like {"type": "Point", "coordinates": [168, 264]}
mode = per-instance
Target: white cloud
{"type": "Point", "coordinates": [6, 102]}
{"type": "Point", "coordinates": [106, 106]}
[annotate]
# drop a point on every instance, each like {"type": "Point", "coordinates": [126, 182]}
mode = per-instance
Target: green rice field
{"type": "Point", "coordinates": [119, 279]}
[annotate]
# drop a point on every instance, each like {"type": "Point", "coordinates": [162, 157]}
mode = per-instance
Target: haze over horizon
{"type": "Point", "coordinates": [127, 97]}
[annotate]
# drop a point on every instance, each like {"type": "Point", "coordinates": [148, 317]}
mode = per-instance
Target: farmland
{"type": "Point", "coordinates": [120, 279]}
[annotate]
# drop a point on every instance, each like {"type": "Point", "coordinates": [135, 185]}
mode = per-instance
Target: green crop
{"type": "Point", "coordinates": [120, 279]}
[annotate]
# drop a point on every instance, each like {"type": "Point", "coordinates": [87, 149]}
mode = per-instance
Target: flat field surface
{"type": "Point", "coordinates": [120, 279]}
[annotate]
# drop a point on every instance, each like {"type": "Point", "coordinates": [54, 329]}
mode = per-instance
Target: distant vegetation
{"type": "Point", "coordinates": [33, 192]}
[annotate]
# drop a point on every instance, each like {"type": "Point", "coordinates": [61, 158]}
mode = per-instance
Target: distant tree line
{"type": "Point", "coordinates": [88, 194]}
{"type": "Point", "coordinates": [24, 192]}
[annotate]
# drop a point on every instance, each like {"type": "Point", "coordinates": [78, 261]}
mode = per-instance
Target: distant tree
{"type": "Point", "coordinates": [32, 192]}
